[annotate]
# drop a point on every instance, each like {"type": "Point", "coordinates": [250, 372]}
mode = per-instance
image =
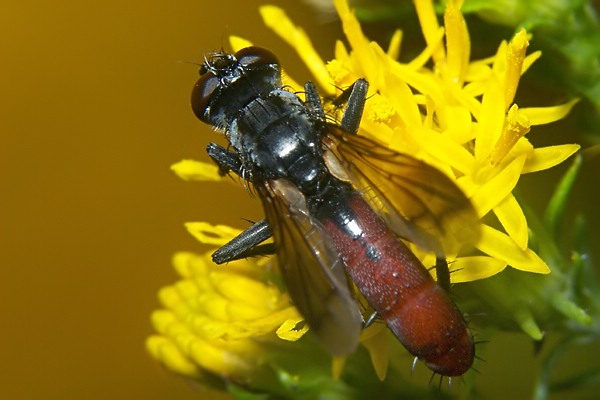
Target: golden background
{"type": "Point", "coordinates": [94, 109]}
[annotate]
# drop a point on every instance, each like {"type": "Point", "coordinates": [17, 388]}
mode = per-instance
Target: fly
{"type": "Point", "coordinates": [336, 204]}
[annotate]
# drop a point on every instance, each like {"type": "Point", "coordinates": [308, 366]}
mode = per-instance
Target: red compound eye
{"type": "Point", "coordinates": [202, 93]}
{"type": "Point", "coordinates": [251, 56]}
{"type": "Point", "coordinates": [209, 81]}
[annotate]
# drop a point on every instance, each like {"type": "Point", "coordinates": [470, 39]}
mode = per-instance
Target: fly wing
{"type": "Point", "coordinates": [312, 271]}
{"type": "Point", "coordinates": [417, 201]}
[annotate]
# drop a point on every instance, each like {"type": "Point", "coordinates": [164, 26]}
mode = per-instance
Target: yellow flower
{"type": "Point", "coordinates": [220, 319]}
{"type": "Point", "coordinates": [458, 115]}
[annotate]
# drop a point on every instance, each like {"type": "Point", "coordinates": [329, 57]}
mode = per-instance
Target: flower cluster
{"type": "Point", "coordinates": [457, 114]}
{"type": "Point", "coordinates": [220, 319]}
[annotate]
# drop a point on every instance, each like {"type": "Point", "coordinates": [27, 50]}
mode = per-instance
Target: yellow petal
{"type": "Point", "coordinates": [375, 340]}
{"type": "Point", "coordinates": [169, 296]}
{"type": "Point", "coordinates": [422, 58]}
{"type": "Point", "coordinates": [500, 246]}
{"type": "Point", "coordinates": [515, 127]}
{"type": "Point", "coordinates": [217, 359]}
{"type": "Point", "coordinates": [237, 43]}
{"type": "Point", "coordinates": [458, 44]}
{"type": "Point", "coordinates": [393, 50]}
{"type": "Point", "coordinates": [495, 190]}
{"type": "Point", "coordinates": [422, 83]}
{"type": "Point", "coordinates": [430, 28]}
{"type": "Point", "coordinates": [456, 121]}
{"type": "Point", "coordinates": [403, 100]}
{"type": "Point", "coordinates": [163, 320]}
{"type": "Point", "coordinates": [212, 234]}
{"type": "Point", "coordinates": [262, 326]}
{"type": "Point", "coordinates": [188, 264]}
{"type": "Point", "coordinates": [169, 354]}
{"type": "Point", "coordinates": [546, 157]}
{"type": "Point", "coordinates": [464, 99]}
{"type": "Point", "coordinates": [191, 170]}
{"type": "Point", "coordinates": [467, 269]}
{"type": "Point", "coordinates": [545, 115]}
{"type": "Point", "coordinates": [341, 53]}
{"type": "Point", "coordinates": [244, 290]}
{"type": "Point", "coordinates": [367, 65]}
{"type": "Point", "coordinates": [513, 220]}
{"type": "Point", "coordinates": [446, 150]}
{"type": "Point", "coordinates": [514, 61]}
{"type": "Point", "coordinates": [337, 367]}
{"type": "Point", "coordinates": [491, 120]}
{"type": "Point", "coordinates": [530, 59]}
{"type": "Point", "coordinates": [287, 330]}
{"type": "Point", "coordinates": [479, 70]}
{"type": "Point", "coordinates": [276, 19]}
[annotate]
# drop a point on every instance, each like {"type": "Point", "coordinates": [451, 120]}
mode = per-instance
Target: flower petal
{"type": "Point", "coordinates": [495, 190]}
{"type": "Point", "coordinates": [276, 19]}
{"type": "Point", "coordinates": [288, 331]}
{"type": "Point", "coordinates": [430, 28]}
{"type": "Point", "coordinates": [546, 157]}
{"type": "Point", "coordinates": [458, 44]}
{"type": "Point", "coordinates": [237, 43]}
{"type": "Point", "coordinates": [545, 115]}
{"type": "Point", "coordinates": [513, 220]}
{"type": "Point", "coordinates": [500, 246]}
{"type": "Point", "coordinates": [491, 119]}
{"type": "Point", "coordinates": [514, 61]}
{"type": "Point", "coordinates": [211, 234]}
{"type": "Point", "coordinates": [471, 268]}
{"type": "Point", "coordinates": [516, 126]}
{"type": "Point", "coordinates": [367, 64]}
{"type": "Point", "coordinates": [375, 340]}
{"type": "Point", "coordinates": [393, 50]}
{"type": "Point", "coordinates": [190, 170]}
{"type": "Point", "coordinates": [171, 357]}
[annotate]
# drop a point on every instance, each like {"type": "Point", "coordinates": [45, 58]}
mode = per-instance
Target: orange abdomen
{"type": "Point", "coordinates": [397, 285]}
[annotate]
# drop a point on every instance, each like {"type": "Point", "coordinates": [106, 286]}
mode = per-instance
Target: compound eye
{"type": "Point", "coordinates": [253, 56]}
{"type": "Point", "coordinates": [202, 93]}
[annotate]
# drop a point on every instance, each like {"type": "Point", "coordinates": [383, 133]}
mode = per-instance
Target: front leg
{"type": "Point", "coordinates": [313, 101]}
{"type": "Point", "coordinates": [225, 159]}
{"type": "Point", "coordinates": [247, 243]}
{"type": "Point", "coordinates": [355, 106]}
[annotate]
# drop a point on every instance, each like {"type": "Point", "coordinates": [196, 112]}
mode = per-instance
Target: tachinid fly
{"type": "Point", "coordinates": [336, 204]}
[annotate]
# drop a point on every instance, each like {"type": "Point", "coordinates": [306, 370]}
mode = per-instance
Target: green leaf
{"type": "Point", "coordinates": [555, 211]}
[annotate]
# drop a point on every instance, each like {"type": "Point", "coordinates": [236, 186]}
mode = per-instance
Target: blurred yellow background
{"type": "Point", "coordinates": [94, 109]}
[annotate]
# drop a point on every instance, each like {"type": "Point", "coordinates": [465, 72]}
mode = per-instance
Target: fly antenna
{"type": "Point", "coordinates": [197, 64]}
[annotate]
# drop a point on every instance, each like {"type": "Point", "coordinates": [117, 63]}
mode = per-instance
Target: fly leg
{"type": "Point", "coordinates": [247, 243]}
{"type": "Point", "coordinates": [313, 101]}
{"type": "Point", "coordinates": [355, 106]}
{"type": "Point", "coordinates": [442, 272]}
{"type": "Point", "coordinates": [225, 159]}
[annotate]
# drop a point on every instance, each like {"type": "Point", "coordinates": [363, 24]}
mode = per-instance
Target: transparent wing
{"type": "Point", "coordinates": [311, 269]}
{"type": "Point", "coordinates": [417, 201]}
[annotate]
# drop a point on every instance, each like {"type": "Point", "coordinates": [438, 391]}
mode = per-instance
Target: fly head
{"type": "Point", "coordinates": [228, 82]}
